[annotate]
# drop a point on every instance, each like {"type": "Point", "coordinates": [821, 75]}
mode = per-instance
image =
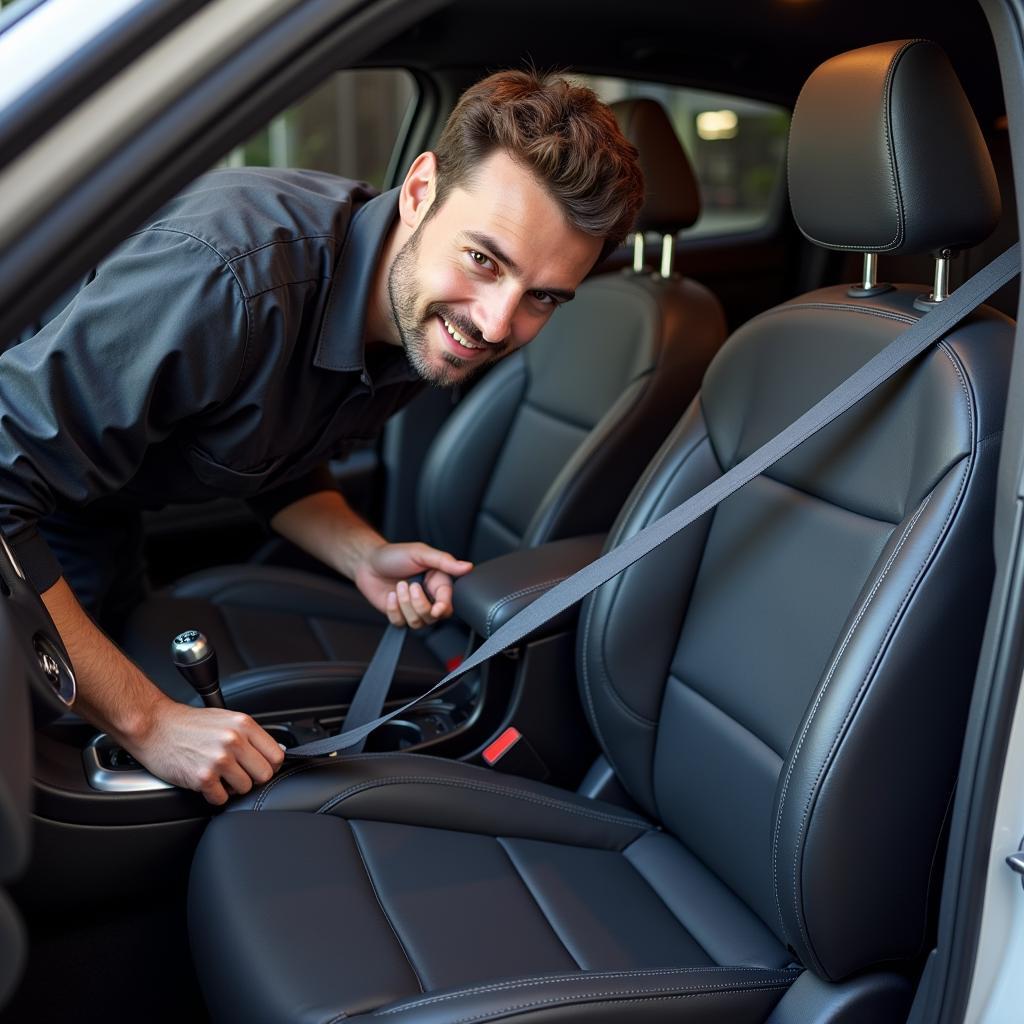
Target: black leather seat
{"type": "Point", "coordinates": [781, 690]}
{"type": "Point", "coordinates": [547, 446]}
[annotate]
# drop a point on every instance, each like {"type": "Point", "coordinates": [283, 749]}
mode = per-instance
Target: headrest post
{"type": "Point", "coordinates": [638, 252]}
{"type": "Point", "coordinates": [668, 254]}
{"type": "Point", "coordinates": [869, 286]}
{"type": "Point", "coordinates": [870, 270]}
{"type": "Point", "coordinates": [940, 289]}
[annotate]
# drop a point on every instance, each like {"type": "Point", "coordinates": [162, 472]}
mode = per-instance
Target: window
{"type": "Point", "coordinates": [737, 148]}
{"type": "Point", "coordinates": [349, 125]}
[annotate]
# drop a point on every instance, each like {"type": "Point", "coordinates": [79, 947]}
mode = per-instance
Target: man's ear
{"type": "Point", "coordinates": [418, 189]}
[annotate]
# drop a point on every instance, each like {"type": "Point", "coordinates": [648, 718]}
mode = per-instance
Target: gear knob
{"type": "Point", "coordinates": [195, 658]}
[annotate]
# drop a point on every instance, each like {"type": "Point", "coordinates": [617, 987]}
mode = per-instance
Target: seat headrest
{"type": "Point", "coordinates": [671, 196]}
{"type": "Point", "coordinates": [885, 154]}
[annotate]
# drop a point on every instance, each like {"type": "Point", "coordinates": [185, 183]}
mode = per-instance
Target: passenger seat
{"type": "Point", "coordinates": [547, 446]}
{"type": "Point", "coordinates": [781, 689]}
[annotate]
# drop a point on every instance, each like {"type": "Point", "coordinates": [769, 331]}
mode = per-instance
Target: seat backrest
{"type": "Point", "coordinates": [795, 710]}
{"type": "Point", "coordinates": [550, 443]}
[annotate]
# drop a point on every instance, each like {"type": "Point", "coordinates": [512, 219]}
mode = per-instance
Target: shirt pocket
{"type": "Point", "coordinates": [231, 482]}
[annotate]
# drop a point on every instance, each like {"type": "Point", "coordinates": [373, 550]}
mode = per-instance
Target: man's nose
{"type": "Point", "coordinates": [494, 317]}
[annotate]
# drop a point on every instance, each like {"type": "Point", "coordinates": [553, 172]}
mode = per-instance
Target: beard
{"type": "Point", "coordinates": [412, 326]}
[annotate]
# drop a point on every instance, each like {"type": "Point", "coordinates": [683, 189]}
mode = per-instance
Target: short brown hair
{"type": "Point", "coordinates": [560, 131]}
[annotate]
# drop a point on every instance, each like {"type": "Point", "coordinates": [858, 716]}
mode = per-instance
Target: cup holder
{"type": "Point", "coordinates": [283, 735]}
{"type": "Point", "coordinates": [394, 735]}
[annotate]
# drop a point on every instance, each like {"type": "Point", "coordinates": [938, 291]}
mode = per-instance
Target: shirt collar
{"type": "Point", "coordinates": [340, 345]}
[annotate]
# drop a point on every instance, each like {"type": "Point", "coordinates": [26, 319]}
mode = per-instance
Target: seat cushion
{"type": "Point", "coordinates": [260, 618]}
{"type": "Point", "coordinates": [437, 891]}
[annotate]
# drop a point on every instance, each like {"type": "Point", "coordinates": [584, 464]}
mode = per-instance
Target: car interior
{"type": "Point", "coordinates": [721, 787]}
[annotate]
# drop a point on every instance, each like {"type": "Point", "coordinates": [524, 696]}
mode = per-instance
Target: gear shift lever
{"type": "Point", "coordinates": [195, 658]}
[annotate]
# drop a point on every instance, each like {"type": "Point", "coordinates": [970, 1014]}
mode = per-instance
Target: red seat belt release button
{"type": "Point", "coordinates": [497, 749]}
{"type": "Point", "coordinates": [511, 752]}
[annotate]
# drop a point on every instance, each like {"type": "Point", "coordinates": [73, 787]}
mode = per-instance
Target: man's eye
{"type": "Point", "coordinates": [543, 297]}
{"type": "Point", "coordinates": [481, 260]}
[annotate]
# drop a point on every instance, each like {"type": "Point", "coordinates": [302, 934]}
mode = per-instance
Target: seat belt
{"type": "Point", "coordinates": [900, 351]}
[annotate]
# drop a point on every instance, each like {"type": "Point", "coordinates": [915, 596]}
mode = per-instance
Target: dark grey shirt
{"type": "Point", "coordinates": [217, 352]}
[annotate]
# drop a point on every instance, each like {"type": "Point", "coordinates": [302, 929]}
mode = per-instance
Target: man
{"type": "Point", "coordinates": [262, 321]}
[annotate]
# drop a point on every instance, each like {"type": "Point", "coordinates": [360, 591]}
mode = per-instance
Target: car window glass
{"type": "Point", "coordinates": [348, 125]}
{"type": "Point", "coordinates": [737, 147]}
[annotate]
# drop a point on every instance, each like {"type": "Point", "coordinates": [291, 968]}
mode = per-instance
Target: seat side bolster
{"type": "Point", "coordinates": [858, 765]}
{"type": "Point", "coordinates": [684, 994]}
{"type": "Point", "coordinates": [461, 459]}
{"type": "Point", "coordinates": [438, 793]}
{"type": "Point", "coordinates": [594, 484]}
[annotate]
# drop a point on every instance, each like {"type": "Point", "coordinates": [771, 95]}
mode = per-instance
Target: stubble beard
{"type": "Point", "coordinates": [412, 328]}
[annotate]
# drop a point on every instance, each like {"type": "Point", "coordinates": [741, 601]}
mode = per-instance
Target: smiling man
{"type": "Point", "coordinates": [264, 321]}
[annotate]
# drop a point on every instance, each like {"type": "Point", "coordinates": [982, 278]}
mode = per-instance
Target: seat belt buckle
{"type": "Point", "coordinates": [512, 753]}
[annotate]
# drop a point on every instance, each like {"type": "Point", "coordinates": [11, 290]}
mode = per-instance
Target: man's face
{"type": "Point", "coordinates": [483, 273]}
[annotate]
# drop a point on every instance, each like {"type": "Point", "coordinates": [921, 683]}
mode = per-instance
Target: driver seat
{"type": "Point", "coordinates": [782, 691]}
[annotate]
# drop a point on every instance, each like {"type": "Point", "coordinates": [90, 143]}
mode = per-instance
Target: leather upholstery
{"type": "Point", "coordinates": [561, 430]}
{"type": "Point", "coordinates": [885, 154]}
{"type": "Point", "coordinates": [546, 446]}
{"type": "Point", "coordinates": [490, 595]}
{"type": "Point", "coordinates": [671, 191]}
{"type": "Point", "coordinates": [428, 877]}
{"type": "Point", "coordinates": [791, 597]}
{"type": "Point", "coordinates": [781, 690]}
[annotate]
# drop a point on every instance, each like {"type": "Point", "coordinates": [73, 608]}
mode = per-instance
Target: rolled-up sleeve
{"type": "Point", "coordinates": [157, 336]}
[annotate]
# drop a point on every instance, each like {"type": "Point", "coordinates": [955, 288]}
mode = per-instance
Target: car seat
{"type": "Point", "coordinates": [781, 691]}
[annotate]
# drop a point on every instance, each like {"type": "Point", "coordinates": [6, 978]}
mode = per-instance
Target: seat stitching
{"type": "Point", "coordinates": [599, 998]}
{"type": "Point", "coordinates": [848, 307]}
{"type": "Point", "coordinates": [380, 903]}
{"type": "Point", "coordinates": [922, 568]}
{"type": "Point", "coordinates": [912, 588]}
{"type": "Point", "coordinates": [482, 788]}
{"type": "Point", "coordinates": [947, 351]}
{"type": "Point", "coordinates": [280, 777]}
{"type": "Point", "coordinates": [861, 612]}
{"type": "Point", "coordinates": [900, 215]}
{"type": "Point", "coordinates": [323, 762]}
{"type": "Point", "coordinates": [533, 896]}
{"type": "Point", "coordinates": [772, 974]}
{"type": "Point", "coordinates": [519, 593]}
{"type": "Point", "coordinates": [864, 684]}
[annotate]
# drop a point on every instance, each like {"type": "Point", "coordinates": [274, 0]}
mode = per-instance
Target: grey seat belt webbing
{"type": "Point", "coordinates": [900, 351]}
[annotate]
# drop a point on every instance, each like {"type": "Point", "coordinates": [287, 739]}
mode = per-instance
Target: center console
{"type": "Point", "coordinates": [112, 820]}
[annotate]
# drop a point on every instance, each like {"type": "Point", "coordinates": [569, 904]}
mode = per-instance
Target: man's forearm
{"type": "Point", "coordinates": [212, 750]}
{"type": "Point", "coordinates": [113, 693]}
{"type": "Point", "coordinates": [325, 526]}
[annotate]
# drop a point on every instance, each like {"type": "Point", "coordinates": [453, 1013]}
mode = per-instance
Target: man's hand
{"type": "Point", "coordinates": [324, 525]}
{"type": "Point", "coordinates": [382, 578]}
{"type": "Point", "coordinates": [213, 751]}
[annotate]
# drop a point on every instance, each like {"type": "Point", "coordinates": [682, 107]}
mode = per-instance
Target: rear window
{"type": "Point", "coordinates": [737, 147]}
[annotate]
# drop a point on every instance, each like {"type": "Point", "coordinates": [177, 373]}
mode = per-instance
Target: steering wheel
{"type": "Point", "coordinates": [52, 679]}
